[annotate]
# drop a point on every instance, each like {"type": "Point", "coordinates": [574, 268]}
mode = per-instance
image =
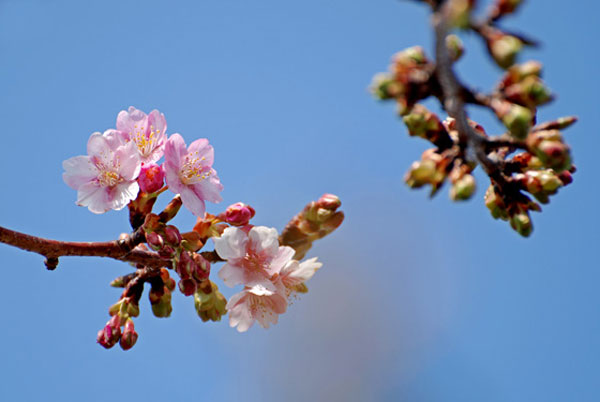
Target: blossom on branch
{"type": "Point", "coordinates": [253, 258]}
{"type": "Point", "coordinates": [189, 172]}
{"type": "Point", "coordinates": [148, 132]}
{"type": "Point", "coordinates": [106, 178]}
{"type": "Point", "coordinates": [255, 303]}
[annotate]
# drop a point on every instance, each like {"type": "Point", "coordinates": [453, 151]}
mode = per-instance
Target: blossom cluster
{"type": "Point", "coordinates": [122, 162]}
{"type": "Point", "coordinates": [121, 169]}
{"type": "Point", "coordinates": [267, 271]}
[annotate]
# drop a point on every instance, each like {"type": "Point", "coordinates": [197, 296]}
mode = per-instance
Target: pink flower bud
{"type": "Point", "coordinates": [151, 178]}
{"type": "Point", "coordinates": [329, 201]}
{"type": "Point", "coordinates": [129, 336]}
{"type": "Point", "coordinates": [201, 268]}
{"type": "Point", "coordinates": [238, 214]}
{"type": "Point", "coordinates": [172, 235]}
{"type": "Point", "coordinates": [187, 286]}
{"type": "Point", "coordinates": [167, 252]}
{"type": "Point", "coordinates": [185, 265]}
{"type": "Point", "coordinates": [110, 334]}
{"type": "Point", "coordinates": [154, 240]}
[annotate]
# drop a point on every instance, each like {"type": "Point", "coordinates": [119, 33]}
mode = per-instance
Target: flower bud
{"type": "Point", "coordinates": [167, 252]}
{"type": "Point", "coordinates": [151, 178]}
{"type": "Point", "coordinates": [494, 202]}
{"type": "Point", "coordinates": [329, 201]}
{"type": "Point", "coordinates": [161, 306]}
{"type": "Point", "coordinates": [549, 147]}
{"type": "Point", "coordinates": [209, 302]}
{"type": "Point", "coordinates": [129, 336]}
{"type": "Point", "coordinates": [460, 12]}
{"type": "Point", "coordinates": [201, 267]}
{"type": "Point", "coordinates": [384, 87]}
{"type": "Point", "coordinates": [409, 57]}
{"type": "Point", "coordinates": [185, 265]}
{"type": "Point", "coordinates": [187, 286]}
{"type": "Point", "coordinates": [504, 48]}
{"type": "Point", "coordinates": [110, 334]}
{"type": "Point", "coordinates": [530, 92]}
{"type": "Point", "coordinates": [503, 7]}
{"type": "Point", "coordinates": [155, 241]}
{"type": "Point", "coordinates": [172, 236]}
{"type": "Point", "coordinates": [238, 214]}
{"type": "Point", "coordinates": [171, 209]}
{"type": "Point", "coordinates": [455, 47]}
{"type": "Point", "coordinates": [521, 223]}
{"type": "Point", "coordinates": [463, 188]}
{"type": "Point", "coordinates": [516, 118]}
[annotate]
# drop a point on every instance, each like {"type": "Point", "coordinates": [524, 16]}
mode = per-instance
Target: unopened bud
{"type": "Point", "coordinates": [504, 49]}
{"type": "Point", "coordinates": [161, 306]}
{"type": "Point", "coordinates": [187, 286]}
{"type": "Point", "coordinates": [201, 267]}
{"type": "Point", "coordinates": [494, 202]}
{"type": "Point", "coordinates": [384, 86]}
{"type": "Point", "coordinates": [129, 336]}
{"type": "Point", "coordinates": [463, 188]}
{"type": "Point", "coordinates": [171, 209]}
{"type": "Point", "coordinates": [172, 236]}
{"type": "Point", "coordinates": [151, 178]}
{"type": "Point", "coordinates": [549, 147]}
{"type": "Point", "coordinates": [167, 252]}
{"type": "Point", "coordinates": [155, 241]}
{"type": "Point", "coordinates": [329, 201]}
{"type": "Point", "coordinates": [516, 118]}
{"type": "Point", "coordinates": [209, 302]}
{"type": "Point", "coordinates": [455, 47]}
{"type": "Point", "coordinates": [238, 214]}
{"type": "Point", "coordinates": [521, 223]}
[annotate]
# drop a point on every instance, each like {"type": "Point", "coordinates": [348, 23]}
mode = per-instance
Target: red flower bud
{"type": "Point", "coordinates": [238, 214]}
{"type": "Point", "coordinates": [151, 178]}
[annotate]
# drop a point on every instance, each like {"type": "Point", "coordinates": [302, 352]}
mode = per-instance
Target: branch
{"type": "Point", "coordinates": [122, 250]}
{"type": "Point", "coordinates": [454, 102]}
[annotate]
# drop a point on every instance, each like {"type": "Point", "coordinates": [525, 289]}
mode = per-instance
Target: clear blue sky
{"type": "Point", "coordinates": [418, 300]}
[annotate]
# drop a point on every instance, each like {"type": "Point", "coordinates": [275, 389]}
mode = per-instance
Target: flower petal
{"type": "Point", "coordinates": [175, 150]}
{"type": "Point", "coordinates": [264, 241]}
{"type": "Point", "coordinates": [94, 197]}
{"type": "Point", "coordinates": [204, 150]}
{"type": "Point", "coordinates": [192, 202]}
{"type": "Point", "coordinates": [282, 257]}
{"type": "Point", "coordinates": [122, 194]}
{"type": "Point", "coordinates": [232, 274]}
{"type": "Point", "coordinates": [78, 171]}
{"type": "Point", "coordinates": [231, 244]}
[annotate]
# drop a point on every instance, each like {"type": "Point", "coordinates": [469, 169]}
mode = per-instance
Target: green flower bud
{"type": "Point", "coordinates": [521, 223]}
{"type": "Point", "coordinates": [518, 121]}
{"type": "Point", "coordinates": [455, 47]}
{"type": "Point", "coordinates": [504, 49]}
{"type": "Point", "coordinates": [463, 188]}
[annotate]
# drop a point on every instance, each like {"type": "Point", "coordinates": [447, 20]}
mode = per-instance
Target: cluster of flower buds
{"type": "Point", "coordinates": [317, 220]}
{"type": "Point", "coordinates": [160, 294]}
{"type": "Point", "coordinates": [411, 78]}
{"type": "Point", "coordinates": [210, 304]}
{"type": "Point", "coordinates": [546, 163]}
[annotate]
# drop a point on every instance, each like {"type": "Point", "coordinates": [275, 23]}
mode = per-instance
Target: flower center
{"type": "Point", "coordinates": [253, 262]}
{"type": "Point", "coordinates": [193, 171]}
{"type": "Point", "coordinates": [108, 174]}
{"type": "Point", "coordinates": [145, 139]}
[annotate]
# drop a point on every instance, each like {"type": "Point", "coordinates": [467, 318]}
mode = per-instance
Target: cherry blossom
{"type": "Point", "coordinates": [148, 132]}
{"type": "Point", "coordinates": [256, 303]}
{"type": "Point", "coordinates": [295, 273]}
{"type": "Point", "coordinates": [253, 258]}
{"type": "Point", "coordinates": [189, 172]}
{"type": "Point", "coordinates": [106, 178]}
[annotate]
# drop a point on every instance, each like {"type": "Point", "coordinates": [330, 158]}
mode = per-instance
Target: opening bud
{"type": "Point", "coordinates": [129, 337]}
{"type": "Point", "coordinates": [238, 214]}
{"type": "Point", "coordinates": [151, 178]}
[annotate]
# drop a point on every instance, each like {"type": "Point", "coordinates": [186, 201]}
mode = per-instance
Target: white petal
{"type": "Point", "coordinates": [94, 197]}
{"type": "Point", "coordinates": [231, 244]}
{"type": "Point", "coordinates": [192, 202]}
{"type": "Point", "coordinates": [264, 240]}
{"type": "Point", "coordinates": [232, 275]}
{"type": "Point", "coordinates": [283, 256]}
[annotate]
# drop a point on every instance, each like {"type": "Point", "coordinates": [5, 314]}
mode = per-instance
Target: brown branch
{"type": "Point", "coordinates": [454, 102]}
{"type": "Point", "coordinates": [122, 250]}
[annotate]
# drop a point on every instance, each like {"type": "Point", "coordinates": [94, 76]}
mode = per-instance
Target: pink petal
{"type": "Point", "coordinates": [283, 256]}
{"type": "Point", "coordinates": [78, 171]}
{"type": "Point", "coordinates": [204, 150]}
{"type": "Point", "coordinates": [130, 164]}
{"type": "Point", "coordinates": [231, 244]}
{"type": "Point", "coordinates": [99, 146]}
{"type": "Point", "coordinates": [157, 120]}
{"type": "Point", "coordinates": [127, 120]}
{"type": "Point", "coordinates": [192, 202]}
{"type": "Point", "coordinates": [209, 189]}
{"type": "Point", "coordinates": [264, 241]}
{"type": "Point", "coordinates": [232, 274]}
{"type": "Point", "coordinates": [175, 150]}
{"type": "Point", "coordinates": [94, 197]}
{"type": "Point", "coordinates": [122, 194]}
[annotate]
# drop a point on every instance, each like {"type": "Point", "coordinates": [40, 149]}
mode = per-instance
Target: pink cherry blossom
{"type": "Point", "coordinates": [106, 178]}
{"type": "Point", "coordinates": [294, 273]}
{"type": "Point", "coordinates": [253, 258]}
{"type": "Point", "coordinates": [148, 132]}
{"type": "Point", "coordinates": [189, 173]}
{"type": "Point", "coordinates": [256, 303]}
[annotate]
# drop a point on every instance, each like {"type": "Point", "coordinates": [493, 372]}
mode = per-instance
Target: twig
{"type": "Point", "coordinates": [122, 250]}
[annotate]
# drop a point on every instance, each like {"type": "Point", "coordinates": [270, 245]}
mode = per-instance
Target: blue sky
{"type": "Point", "coordinates": [418, 300]}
